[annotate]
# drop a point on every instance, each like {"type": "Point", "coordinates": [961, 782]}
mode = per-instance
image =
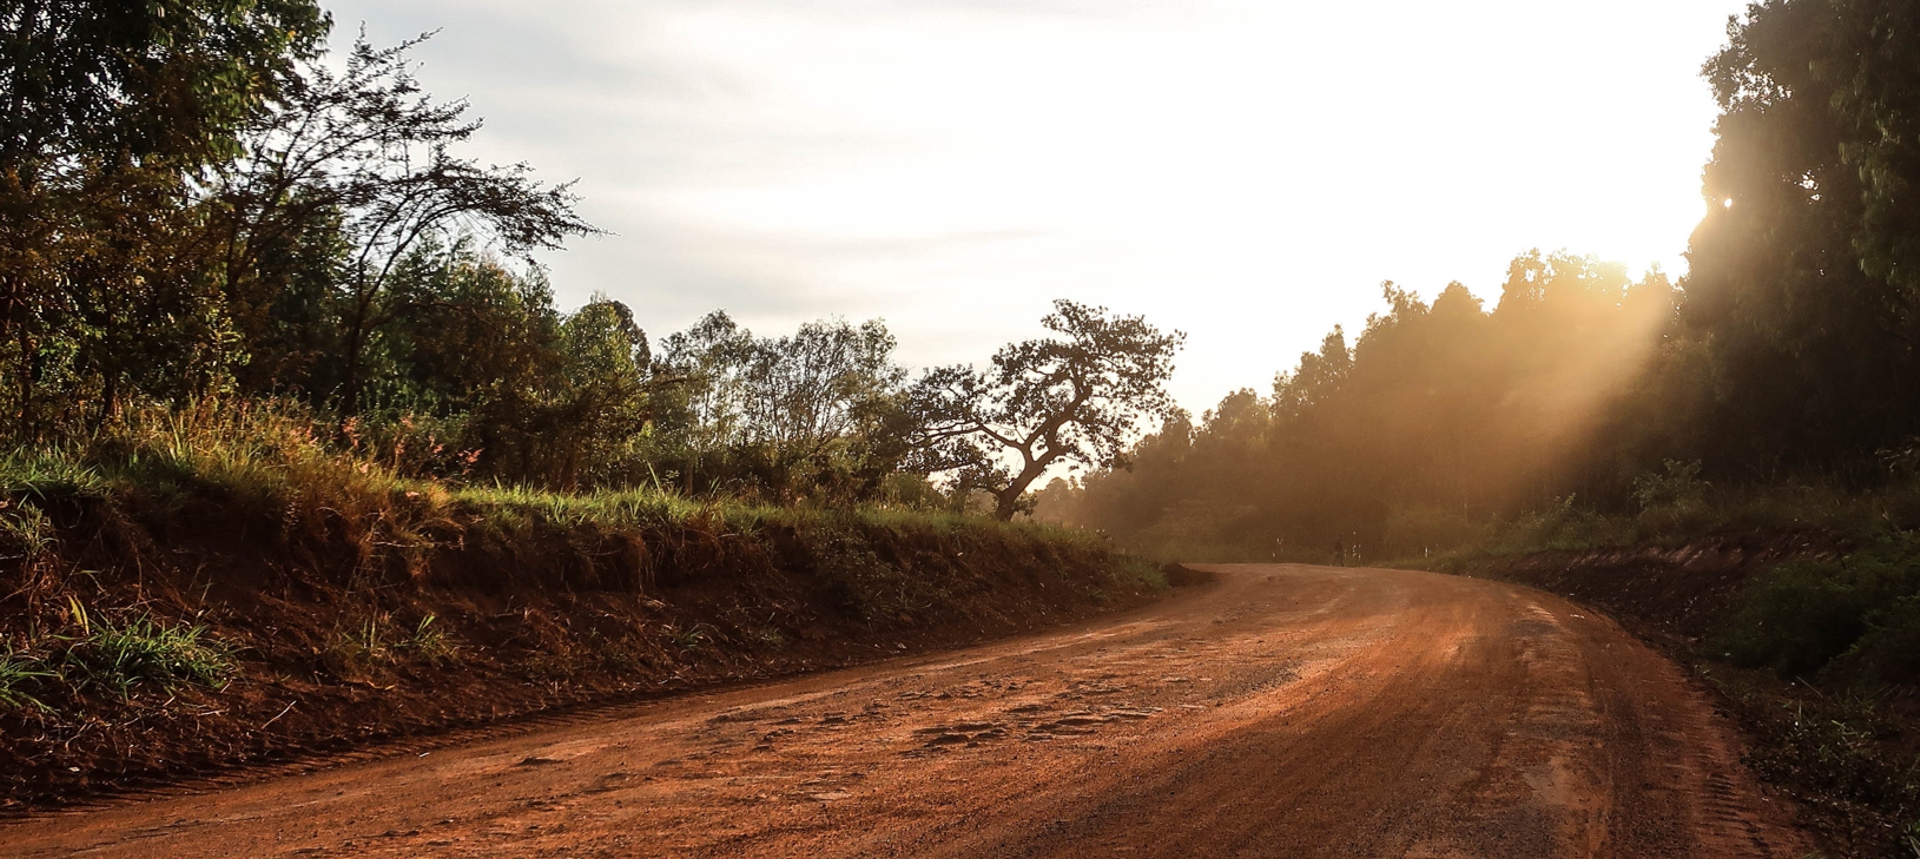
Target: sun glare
{"type": "Point", "coordinates": [950, 169]}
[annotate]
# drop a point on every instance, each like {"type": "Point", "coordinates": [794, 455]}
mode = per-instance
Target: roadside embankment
{"type": "Point", "coordinates": [153, 629]}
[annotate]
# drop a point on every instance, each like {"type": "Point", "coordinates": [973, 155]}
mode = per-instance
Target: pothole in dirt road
{"type": "Point", "coordinates": [1075, 722]}
{"type": "Point", "coordinates": [960, 734]}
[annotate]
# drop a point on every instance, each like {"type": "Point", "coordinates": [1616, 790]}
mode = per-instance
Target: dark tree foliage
{"type": "Point", "coordinates": [194, 204]}
{"type": "Point", "coordinates": [1803, 280]}
{"type": "Point", "coordinates": [1075, 398]}
{"type": "Point", "coordinates": [817, 414]}
{"type": "Point", "coordinates": [170, 80]}
{"type": "Point", "coordinates": [111, 110]}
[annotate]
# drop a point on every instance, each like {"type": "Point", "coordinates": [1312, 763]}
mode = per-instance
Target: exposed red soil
{"type": "Point", "coordinates": [570, 618]}
{"type": "Point", "coordinates": [1817, 739]}
{"type": "Point", "coordinates": [1284, 711]}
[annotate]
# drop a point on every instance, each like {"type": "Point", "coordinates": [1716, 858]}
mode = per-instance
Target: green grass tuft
{"type": "Point", "coordinates": [115, 656]}
{"type": "Point", "coordinates": [122, 656]}
{"type": "Point", "coordinates": [19, 674]}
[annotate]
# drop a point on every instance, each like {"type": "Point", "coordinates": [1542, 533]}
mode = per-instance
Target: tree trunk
{"type": "Point", "coordinates": [1007, 503]}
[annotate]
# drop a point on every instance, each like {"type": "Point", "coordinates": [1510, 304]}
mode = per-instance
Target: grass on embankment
{"type": "Point", "coordinates": [189, 591]}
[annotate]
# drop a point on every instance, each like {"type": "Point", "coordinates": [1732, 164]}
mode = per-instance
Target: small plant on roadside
{"type": "Point", "coordinates": [373, 643]}
{"type": "Point", "coordinates": [25, 532]}
{"type": "Point", "coordinates": [770, 638]}
{"type": "Point", "coordinates": [121, 655]}
{"type": "Point", "coordinates": [1679, 486]}
{"type": "Point", "coordinates": [358, 647]}
{"type": "Point", "coordinates": [613, 654]}
{"type": "Point", "coordinates": [1145, 573]}
{"type": "Point", "coordinates": [687, 639]}
{"type": "Point", "coordinates": [427, 640]}
{"type": "Point", "coordinates": [18, 674]}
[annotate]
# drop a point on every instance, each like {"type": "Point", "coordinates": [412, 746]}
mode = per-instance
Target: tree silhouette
{"type": "Point", "coordinates": [1077, 397]}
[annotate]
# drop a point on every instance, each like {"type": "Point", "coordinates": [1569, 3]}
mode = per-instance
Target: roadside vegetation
{"type": "Point", "coordinates": [298, 450]}
{"type": "Point", "coordinates": [211, 586]}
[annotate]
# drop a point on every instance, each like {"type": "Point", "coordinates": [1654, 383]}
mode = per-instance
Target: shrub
{"type": "Point", "coordinates": [1858, 616]}
{"type": "Point", "coordinates": [1890, 649]}
{"type": "Point", "coordinates": [1680, 487]}
{"type": "Point", "coordinates": [1796, 618]}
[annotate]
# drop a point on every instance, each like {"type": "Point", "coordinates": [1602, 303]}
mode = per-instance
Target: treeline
{"type": "Point", "coordinates": [1787, 353]}
{"type": "Point", "coordinates": [198, 211]}
{"type": "Point", "coordinates": [1437, 418]}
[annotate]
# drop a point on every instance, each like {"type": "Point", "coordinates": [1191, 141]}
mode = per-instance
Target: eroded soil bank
{"type": "Point", "coordinates": [346, 636]}
{"type": "Point", "coordinates": [1687, 591]}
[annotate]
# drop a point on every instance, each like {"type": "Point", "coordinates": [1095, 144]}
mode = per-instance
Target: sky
{"type": "Point", "coordinates": [1247, 171]}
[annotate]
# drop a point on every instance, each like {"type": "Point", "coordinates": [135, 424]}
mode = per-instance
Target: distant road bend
{"type": "Point", "coordinates": [1286, 711]}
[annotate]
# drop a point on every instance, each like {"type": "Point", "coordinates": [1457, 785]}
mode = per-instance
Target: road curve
{"type": "Point", "coordinates": [1285, 711]}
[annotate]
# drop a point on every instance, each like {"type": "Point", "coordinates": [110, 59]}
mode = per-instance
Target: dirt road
{"type": "Point", "coordinates": [1285, 711]}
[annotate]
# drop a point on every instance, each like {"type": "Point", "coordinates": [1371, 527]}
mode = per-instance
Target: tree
{"type": "Point", "coordinates": [1416, 430]}
{"type": "Point", "coordinates": [109, 112]}
{"type": "Point", "coordinates": [598, 402]}
{"type": "Point", "coordinates": [1078, 398]}
{"type": "Point", "coordinates": [1872, 59]}
{"type": "Point", "coordinates": [364, 156]}
{"type": "Point", "coordinates": [1802, 275]}
{"type": "Point", "coordinates": [169, 80]}
{"type": "Point", "coordinates": [816, 413]}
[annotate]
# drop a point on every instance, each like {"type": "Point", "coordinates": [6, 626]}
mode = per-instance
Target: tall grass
{"type": "Point", "coordinates": [286, 462]}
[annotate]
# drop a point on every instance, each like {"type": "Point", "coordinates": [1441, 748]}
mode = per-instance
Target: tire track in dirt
{"type": "Point", "coordinates": [1284, 711]}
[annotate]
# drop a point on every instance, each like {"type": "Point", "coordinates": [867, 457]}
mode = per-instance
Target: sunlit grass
{"type": "Point", "coordinates": [278, 462]}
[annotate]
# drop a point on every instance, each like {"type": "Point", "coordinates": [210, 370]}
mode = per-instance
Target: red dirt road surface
{"type": "Point", "coordinates": [1284, 711]}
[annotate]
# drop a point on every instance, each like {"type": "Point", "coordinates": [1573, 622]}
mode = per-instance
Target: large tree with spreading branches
{"type": "Point", "coordinates": [1076, 397]}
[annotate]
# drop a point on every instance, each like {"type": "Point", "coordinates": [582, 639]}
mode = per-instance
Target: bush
{"type": "Point", "coordinates": [1890, 649]}
{"type": "Point", "coordinates": [1858, 616]}
{"type": "Point", "coordinates": [1680, 487]}
{"type": "Point", "coordinates": [1797, 618]}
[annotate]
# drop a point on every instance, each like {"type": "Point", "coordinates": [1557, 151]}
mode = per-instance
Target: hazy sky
{"type": "Point", "coordinates": [1245, 171]}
